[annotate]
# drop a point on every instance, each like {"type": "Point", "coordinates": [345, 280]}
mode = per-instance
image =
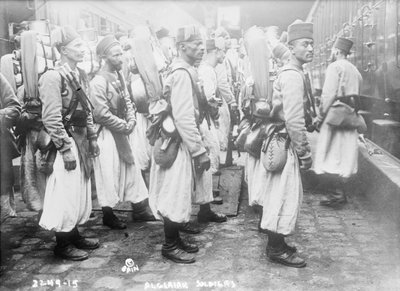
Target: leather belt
{"type": "Point", "coordinates": [351, 100]}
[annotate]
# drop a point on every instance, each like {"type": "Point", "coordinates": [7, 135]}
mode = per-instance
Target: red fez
{"type": "Point", "coordinates": [299, 29]}
{"type": "Point", "coordinates": [106, 44]}
{"type": "Point", "coordinates": [343, 44]}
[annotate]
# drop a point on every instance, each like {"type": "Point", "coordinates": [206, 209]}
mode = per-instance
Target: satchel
{"type": "Point", "coordinates": [139, 95]}
{"type": "Point", "coordinates": [165, 151]}
{"type": "Point", "coordinates": [244, 130]}
{"type": "Point", "coordinates": [274, 151]}
{"type": "Point", "coordinates": [254, 140]}
{"type": "Point", "coordinates": [44, 142]}
{"type": "Point", "coordinates": [343, 116]}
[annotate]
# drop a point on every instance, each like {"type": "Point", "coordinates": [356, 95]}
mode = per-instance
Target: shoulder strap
{"type": "Point", "coordinates": [194, 85]}
{"type": "Point", "coordinates": [307, 86]}
{"type": "Point", "coordinates": [82, 75]}
{"type": "Point", "coordinates": [66, 117]}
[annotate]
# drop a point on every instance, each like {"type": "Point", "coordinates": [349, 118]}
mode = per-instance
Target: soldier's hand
{"type": "Point", "coordinates": [317, 122]}
{"type": "Point", "coordinates": [94, 149]}
{"type": "Point", "coordinates": [306, 163]}
{"type": "Point", "coordinates": [69, 160]}
{"type": "Point", "coordinates": [130, 126]}
{"type": "Point", "coordinates": [201, 163]}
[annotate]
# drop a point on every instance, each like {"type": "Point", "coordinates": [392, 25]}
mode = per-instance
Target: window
{"type": "Point", "coordinates": [398, 34]}
{"type": "Point", "coordinates": [391, 29]}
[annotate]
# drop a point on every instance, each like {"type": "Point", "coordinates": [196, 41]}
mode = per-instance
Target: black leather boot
{"type": "Point", "coordinates": [187, 246]}
{"type": "Point", "coordinates": [66, 250]}
{"type": "Point", "coordinates": [207, 215]}
{"type": "Point", "coordinates": [279, 252]}
{"type": "Point", "coordinates": [142, 211]}
{"type": "Point", "coordinates": [334, 199]}
{"type": "Point", "coordinates": [111, 220]}
{"type": "Point", "coordinates": [189, 227]}
{"type": "Point", "coordinates": [82, 242]}
{"type": "Point", "coordinates": [170, 248]}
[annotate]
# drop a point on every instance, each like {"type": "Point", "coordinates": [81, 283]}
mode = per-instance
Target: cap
{"type": "Point", "coordinates": [64, 35]}
{"type": "Point", "coordinates": [188, 33]}
{"type": "Point", "coordinates": [299, 29]}
{"type": "Point", "coordinates": [106, 44]}
{"type": "Point", "coordinates": [279, 50]}
{"type": "Point", "coordinates": [162, 32]}
{"type": "Point", "coordinates": [343, 44]}
{"type": "Point", "coordinates": [210, 44]}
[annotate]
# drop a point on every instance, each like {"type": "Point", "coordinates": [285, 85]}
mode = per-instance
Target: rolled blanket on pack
{"type": "Point", "coordinates": [29, 63]}
{"type": "Point", "coordinates": [146, 64]}
{"type": "Point", "coordinates": [259, 56]}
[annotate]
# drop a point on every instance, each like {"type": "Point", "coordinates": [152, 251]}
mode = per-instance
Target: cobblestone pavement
{"type": "Point", "coordinates": [347, 249]}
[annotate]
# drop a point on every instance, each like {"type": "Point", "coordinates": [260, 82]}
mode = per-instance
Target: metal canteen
{"type": "Point", "coordinates": [168, 126]}
{"type": "Point", "coordinates": [261, 109]}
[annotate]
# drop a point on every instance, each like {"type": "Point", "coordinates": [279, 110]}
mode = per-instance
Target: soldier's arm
{"type": "Point", "coordinates": [330, 89]}
{"type": "Point", "coordinates": [11, 108]}
{"type": "Point", "coordinates": [206, 76]}
{"type": "Point", "coordinates": [223, 85]}
{"type": "Point", "coordinates": [292, 89]}
{"type": "Point", "coordinates": [50, 95]}
{"type": "Point", "coordinates": [183, 112]}
{"type": "Point", "coordinates": [101, 112]}
{"type": "Point", "coordinates": [130, 111]}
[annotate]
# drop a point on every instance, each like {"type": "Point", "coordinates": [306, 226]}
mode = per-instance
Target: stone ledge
{"type": "Point", "coordinates": [379, 180]}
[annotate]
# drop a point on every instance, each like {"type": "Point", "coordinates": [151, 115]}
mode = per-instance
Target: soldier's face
{"type": "Point", "coordinates": [220, 56]}
{"type": "Point", "coordinates": [228, 42]}
{"type": "Point", "coordinates": [194, 50]}
{"type": "Point", "coordinates": [303, 49]}
{"type": "Point", "coordinates": [75, 50]}
{"type": "Point", "coordinates": [114, 58]}
{"type": "Point", "coordinates": [334, 54]}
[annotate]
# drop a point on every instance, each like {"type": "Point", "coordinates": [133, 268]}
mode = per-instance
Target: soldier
{"type": "Point", "coordinates": [171, 188]}
{"type": "Point", "coordinates": [337, 149]}
{"type": "Point", "coordinates": [281, 54]}
{"type": "Point", "coordinates": [116, 176]}
{"type": "Point", "coordinates": [166, 43]}
{"type": "Point", "coordinates": [224, 76]}
{"type": "Point", "coordinates": [10, 110]}
{"type": "Point", "coordinates": [208, 128]}
{"type": "Point", "coordinates": [68, 120]}
{"type": "Point", "coordinates": [283, 195]}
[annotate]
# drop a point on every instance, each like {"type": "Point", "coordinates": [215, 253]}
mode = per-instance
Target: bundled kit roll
{"type": "Point", "coordinates": [144, 58]}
